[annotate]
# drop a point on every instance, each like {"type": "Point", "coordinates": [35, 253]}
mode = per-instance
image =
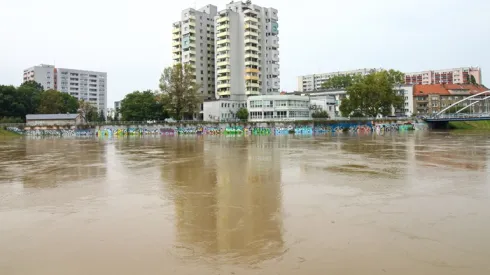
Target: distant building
{"type": "Point", "coordinates": [247, 50]}
{"type": "Point", "coordinates": [324, 103]}
{"type": "Point", "coordinates": [314, 82]}
{"type": "Point", "coordinates": [445, 76]}
{"type": "Point", "coordinates": [87, 85]}
{"type": "Point", "coordinates": [54, 119]}
{"type": "Point", "coordinates": [42, 74]}
{"type": "Point", "coordinates": [193, 44]}
{"type": "Point", "coordinates": [278, 107]}
{"type": "Point", "coordinates": [222, 110]}
{"type": "Point", "coordinates": [405, 91]}
{"type": "Point", "coordinates": [431, 99]}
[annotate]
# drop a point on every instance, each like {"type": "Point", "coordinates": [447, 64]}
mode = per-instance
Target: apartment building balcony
{"type": "Point", "coordinates": [223, 41]}
{"type": "Point", "coordinates": [252, 48]}
{"type": "Point", "coordinates": [251, 19]}
{"type": "Point", "coordinates": [224, 78]}
{"type": "Point", "coordinates": [222, 34]}
{"type": "Point", "coordinates": [224, 85]}
{"type": "Point", "coordinates": [176, 43]}
{"type": "Point", "coordinates": [251, 55]}
{"type": "Point", "coordinates": [251, 34]}
{"type": "Point", "coordinates": [252, 85]}
{"type": "Point", "coordinates": [249, 63]}
{"type": "Point", "coordinates": [252, 26]}
{"type": "Point", "coordinates": [176, 30]}
{"type": "Point", "coordinates": [176, 36]}
{"type": "Point", "coordinates": [251, 41]}
{"type": "Point", "coordinates": [223, 63]}
{"type": "Point", "coordinates": [223, 19]}
{"type": "Point", "coordinates": [223, 71]}
{"type": "Point", "coordinates": [252, 92]}
{"type": "Point", "coordinates": [252, 70]}
{"type": "Point", "coordinates": [223, 55]}
{"type": "Point", "coordinates": [251, 77]}
{"type": "Point", "coordinates": [222, 27]}
{"type": "Point", "coordinates": [223, 48]}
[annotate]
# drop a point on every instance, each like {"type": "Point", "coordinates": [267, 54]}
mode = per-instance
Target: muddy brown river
{"type": "Point", "coordinates": [405, 204]}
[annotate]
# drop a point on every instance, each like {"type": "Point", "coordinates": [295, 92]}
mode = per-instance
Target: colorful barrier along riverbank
{"type": "Point", "coordinates": [278, 128]}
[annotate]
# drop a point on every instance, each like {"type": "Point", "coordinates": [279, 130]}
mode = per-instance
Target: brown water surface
{"type": "Point", "coordinates": [416, 203]}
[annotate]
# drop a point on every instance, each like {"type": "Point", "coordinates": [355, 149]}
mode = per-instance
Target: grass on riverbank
{"type": "Point", "coordinates": [5, 133]}
{"type": "Point", "coordinates": [470, 125]}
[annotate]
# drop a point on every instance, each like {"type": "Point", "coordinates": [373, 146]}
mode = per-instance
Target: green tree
{"type": "Point", "coordinates": [55, 102]}
{"type": "Point", "coordinates": [10, 103]}
{"type": "Point", "coordinates": [340, 81]}
{"type": "Point", "coordinates": [179, 90]}
{"type": "Point", "coordinates": [242, 114]}
{"type": "Point", "coordinates": [87, 110]}
{"type": "Point", "coordinates": [141, 106]}
{"type": "Point", "coordinates": [29, 93]}
{"type": "Point", "coordinates": [372, 95]}
{"type": "Point", "coordinates": [320, 114]}
{"type": "Point", "coordinates": [101, 116]}
{"type": "Point", "coordinates": [473, 80]}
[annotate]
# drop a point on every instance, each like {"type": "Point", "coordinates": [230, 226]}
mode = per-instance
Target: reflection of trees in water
{"type": "Point", "coordinates": [227, 198]}
{"type": "Point", "coordinates": [452, 152]}
{"type": "Point", "coordinates": [50, 162]}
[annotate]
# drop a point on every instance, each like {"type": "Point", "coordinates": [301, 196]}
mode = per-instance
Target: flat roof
{"type": "Point", "coordinates": [51, 116]}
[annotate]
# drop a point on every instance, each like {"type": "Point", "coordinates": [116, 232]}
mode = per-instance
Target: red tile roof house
{"type": "Point", "coordinates": [431, 99]}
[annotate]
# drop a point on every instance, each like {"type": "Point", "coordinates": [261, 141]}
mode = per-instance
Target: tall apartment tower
{"type": "Point", "coordinates": [42, 74]}
{"type": "Point", "coordinates": [193, 43]}
{"type": "Point", "coordinates": [247, 51]}
{"type": "Point", "coordinates": [87, 85]}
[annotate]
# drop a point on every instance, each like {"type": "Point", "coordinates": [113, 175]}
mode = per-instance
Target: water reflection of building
{"type": "Point", "coordinates": [227, 197]}
{"type": "Point", "coordinates": [55, 161]}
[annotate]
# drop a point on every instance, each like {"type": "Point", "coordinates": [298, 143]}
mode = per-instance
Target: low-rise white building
{"type": "Point", "coordinates": [278, 107]}
{"type": "Point", "coordinates": [324, 103]}
{"type": "Point", "coordinates": [222, 110]}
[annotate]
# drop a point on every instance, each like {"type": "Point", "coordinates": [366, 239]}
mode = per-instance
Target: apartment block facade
{"type": "Point", "coordinates": [247, 51]}
{"type": "Point", "coordinates": [313, 82]}
{"type": "Point", "coordinates": [85, 85]}
{"type": "Point", "coordinates": [446, 76]}
{"type": "Point", "coordinates": [193, 44]}
{"type": "Point", "coordinates": [43, 74]}
{"type": "Point", "coordinates": [431, 99]}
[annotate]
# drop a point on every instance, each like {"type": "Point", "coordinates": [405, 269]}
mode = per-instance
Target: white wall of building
{"type": "Point", "coordinates": [314, 81]}
{"type": "Point", "coordinates": [278, 107]}
{"type": "Point", "coordinates": [193, 44]}
{"type": "Point", "coordinates": [324, 103]}
{"type": "Point", "coordinates": [42, 74]}
{"type": "Point", "coordinates": [247, 50]}
{"type": "Point", "coordinates": [89, 86]}
{"type": "Point", "coordinates": [222, 110]}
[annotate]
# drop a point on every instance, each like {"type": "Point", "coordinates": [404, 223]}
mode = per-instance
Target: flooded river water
{"type": "Point", "coordinates": [410, 203]}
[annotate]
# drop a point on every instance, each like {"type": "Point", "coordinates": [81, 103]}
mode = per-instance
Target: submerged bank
{"type": "Point", "coordinates": [5, 133]}
{"type": "Point", "coordinates": [470, 125]}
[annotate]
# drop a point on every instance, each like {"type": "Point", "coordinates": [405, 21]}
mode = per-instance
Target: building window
{"type": "Point", "coordinates": [281, 114]}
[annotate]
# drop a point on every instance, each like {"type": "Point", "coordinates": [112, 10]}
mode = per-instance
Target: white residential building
{"type": "Point", "coordinates": [278, 107]}
{"type": "Point", "coordinates": [193, 44]}
{"type": "Point", "coordinates": [222, 110]}
{"type": "Point", "coordinates": [90, 86]}
{"type": "Point", "coordinates": [87, 85]}
{"type": "Point", "coordinates": [42, 74]}
{"type": "Point", "coordinates": [446, 76]}
{"type": "Point", "coordinates": [314, 82]}
{"type": "Point", "coordinates": [247, 51]}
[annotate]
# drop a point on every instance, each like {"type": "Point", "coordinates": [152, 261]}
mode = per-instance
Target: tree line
{"type": "Point", "coordinates": [31, 98]}
{"type": "Point", "coordinates": [177, 98]}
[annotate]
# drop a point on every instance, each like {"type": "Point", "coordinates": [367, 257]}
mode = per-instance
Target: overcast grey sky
{"type": "Point", "coordinates": [131, 39]}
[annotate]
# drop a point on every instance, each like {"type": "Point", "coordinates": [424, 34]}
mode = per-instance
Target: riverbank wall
{"type": "Point", "coordinates": [200, 128]}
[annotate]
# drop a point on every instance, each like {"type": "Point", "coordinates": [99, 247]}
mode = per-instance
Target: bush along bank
{"type": "Point", "coordinates": [470, 125]}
